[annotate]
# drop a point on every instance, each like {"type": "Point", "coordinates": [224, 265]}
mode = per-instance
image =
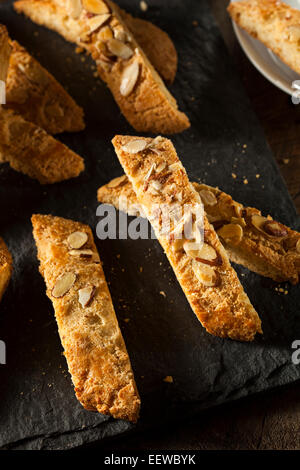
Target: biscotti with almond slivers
{"type": "Point", "coordinates": [30, 150]}
{"type": "Point", "coordinates": [203, 270]}
{"type": "Point", "coordinates": [6, 266]}
{"type": "Point", "coordinates": [5, 51]}
{"type": "Point", "coordinates": [259, 243]}
{"type": "Point", "coordinates": [272, 22]}
{"type": "Point", "coordinates": [137, 88]}
{"type": "Point", "coordinates": [35, 94]}
{"type": "Point", "coordinates": [93, 344]}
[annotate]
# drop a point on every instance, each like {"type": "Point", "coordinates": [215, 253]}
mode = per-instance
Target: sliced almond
{"type": "Point", "coordinates": [150, 172]}
{"type": "Point", "coordinates": [208, 276]}
{"type": "Point", "coordinates": [74, 8]}
{"type": "Point", "coordinates": [97, 7]}
{"type": "Point", "coordinates": [204, 253]}
{"type": "Point", "coordinates": [258, 221]}
{"type": "Point", "coordinates": [156, 185]}
{"type": "Point", "coordinates": [208, 198]}
{"type": "Point", "coordinates": [119, 49]}
{"type": "Point", "coordinates": [117, 182]}
{"type": "Point", "coordinates": [96, 22]}
{"type": "Point", "coordinates": [298, 246]}
{"type": "Point", "coordinates": [135, 146]}
{"type": "Point", "coordinates": [63, 285]}
{"type": "Point", "coordinates": [238, 220]}
{"type": "Point", "coordinates": [120, 34]}
{"type": "Point", "coordinates": [231, 233]}
{"type": "Point", "coordinates": [129, 78]}
{"type": "Point", "coordinates": [105, 34]}
{"type": "Point", "coordinates": [86, 295]}
{"type": "Point", "coordinates": [77, 239]}
{"type": "Point", "coordinates": [82, 253]}
{"type": "Point", "coordinates": [275, 229]}
{"type": "Point", "coordinates": [162, 166]}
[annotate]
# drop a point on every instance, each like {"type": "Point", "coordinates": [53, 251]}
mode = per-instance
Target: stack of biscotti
{"type": "Point", "coordinates": [203, 269]}
{"type": "Point", "coordinates": [27, 147]}
{"type": "Point", "coordinates": [94, 347]}
{"type": "Point", "coordinates": [98, 26]}
{"type": "Point", "coordinates": [5, 267]}
{"type": "Point", "coordinates": [274, 23]}
{"type": "Point", "coordinates": [259, 243]}
{"type": "Point", "coordinates": [35, 94]}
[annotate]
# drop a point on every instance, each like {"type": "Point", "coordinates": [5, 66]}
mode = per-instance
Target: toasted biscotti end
{"type": "Point", "coordinates": [5, 51]}
{"type": "Point", "coordinates": [35, 94]}
{"type": "Point", "coordinates": [209, 282]}
{"type": "Point", "coordinates": [6, 266]}
{"type": "Point", "coordinates": [156, 43]}
{"type": "Point", "coordinates": [274, 23]}
{"type": "Point", "coordinates": [30, 150]}
{"type": "Point", "coordinates": [93, 344]}
{"type": "Point", "coordinates": [259, 243]}
{"type": "Point", "coordinates": [136, 86]}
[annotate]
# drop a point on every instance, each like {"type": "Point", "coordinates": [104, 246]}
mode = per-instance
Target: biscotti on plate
{"type": "Point", "coordinates": [30, 150]}
{"type": "Point", "coordinates": [274, 23]}
{"type": "Point", "coordinates": [5, 51]}
{"type": "Point", "coordinates": [209, 282]}
{"type": "Point", "coordinates": [35, 94]}
{"type": "Point", "coordinates": [5, 267]}
{"type": "Point", "coordinates": [259, 243]}
{"type": "Point", "coordinates": [99, 28]}
{"type": "Point", "coordinates": [93, 344]}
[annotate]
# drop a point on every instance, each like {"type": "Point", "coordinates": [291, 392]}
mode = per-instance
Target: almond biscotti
{"type": "Point", "coordinates": [94, 347]}
{"type": "Point", "coordinates": [203, 269]}
{"type": "Point", "coordinates": [35, 94]}
{"type": "Point", "coordinates": [5, 51]}
{"type": "Point", "coordinates": [259, 243]}
{"type": "Point", "coordinates": [137, 88]}
{"type": "Point", "coordinates": [30, 150]}
{"type": "Point", "coordinates": [274, 23]}
{"type": "Point", "coordinates": [5, 267]}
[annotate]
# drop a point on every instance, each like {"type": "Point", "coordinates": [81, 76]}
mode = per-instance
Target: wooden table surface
{"type": "Point", "coordinates": [270, 420]}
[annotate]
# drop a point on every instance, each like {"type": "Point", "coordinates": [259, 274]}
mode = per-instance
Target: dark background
{"type": "Point", "coordinates": [37, 404]}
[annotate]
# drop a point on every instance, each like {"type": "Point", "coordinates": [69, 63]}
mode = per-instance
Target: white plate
{"type": "Point", "coordinates": [266, 61]}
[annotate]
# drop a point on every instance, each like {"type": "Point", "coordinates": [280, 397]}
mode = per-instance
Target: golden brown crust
{"type": "Point", "coordinates": [35, 94]}
{"type": "Point", "coordinates": [274, 23]}
{"type": "Point", "coordinates": [274, 257]}
{"type": "Point", "coordinates": [223, 308]}
{"type": "Point", "coordinates": [148, 106]}
{"type": "Point", "coordinates": [94, 347]}
{"type": "Point", "coordinates": [156, 44]}
{"type": "Point", "coordinates": [5, 51]}
{"type": "Point", "coordinates": [6, 266]}
{"type": "Point", "coordinates": [30, 150]}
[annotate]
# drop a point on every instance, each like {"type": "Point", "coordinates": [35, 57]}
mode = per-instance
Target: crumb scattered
{"type": "Point", "coordinates": [95, 74]}
{"type": "Point", "coordinates": [163, 293]}
{"type": "Point", "coordinates": [126, 320]}
{"type": "Point", "coordinates": [233, 175]}
{"type": "Point", "coordinates": [36, 34]}
{"type": "Point", "coordinates": [245, 181]}
{"type": "Point", "coordinates": [286, 161]}
{"type": "Point", "coordinates": [195, 23]}
{"type": "Point", "coordinates": [118, 256]}
{"type": "Point", "coordinates": [141, 269]}
{"type": "Point", "coordinates": [244, 146]}
{"type": "Point", "coordinates": [257, 176]}
{"type": "Point", "coordinates": [79, 50]}
{"type": "Point", "coordinates": [143, 6]}
{"type": "Point", "coordinates": [83, 59]}
{"type": "Point", "coordinates": [169, 379]}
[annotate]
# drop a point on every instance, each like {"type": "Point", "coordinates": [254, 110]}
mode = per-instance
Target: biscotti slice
{"type": "Point", "coordinates": [136, 86]}
{"type": "Point", "coordinates": [5, 267]}
{"type": "Point", "coordinates": [274, 23]}
{"type": "Point", "coordinates": [30, 150]}
{"type": "Point", "coordinates": [93, 344]}
{"type": "Point", "coordinates": [203, 269]}
{"type": "Point", "coordinates": [5, 51]}
{"type": "Point", "coordinates": [35, 94]}
{"type": "Point", "coordinates": [156, 43]}
{"type": "Point", "coordinates": [259, 243]}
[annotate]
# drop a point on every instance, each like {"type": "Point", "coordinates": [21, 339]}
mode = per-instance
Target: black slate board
{"type": "Point", "coordinates": [38, 408]}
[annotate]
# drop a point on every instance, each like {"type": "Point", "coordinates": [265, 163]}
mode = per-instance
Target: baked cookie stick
{"type": "Point", "coordinates": [94, 347]}
{"type": "Point", "coordinates": [259, 243]}
{"type": "Point", "coordinates": [274, 23]}
{"type": "Point", "coordinates": [136, 86]}
{"type": "Point", "coordinates": [203, 270]}
{"type": "Point", "coordinates": [30, 150]}
{"type": "Point", "coordinates": [35, 94]}
{"type": "Point", "coordinates": [5, 267]}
